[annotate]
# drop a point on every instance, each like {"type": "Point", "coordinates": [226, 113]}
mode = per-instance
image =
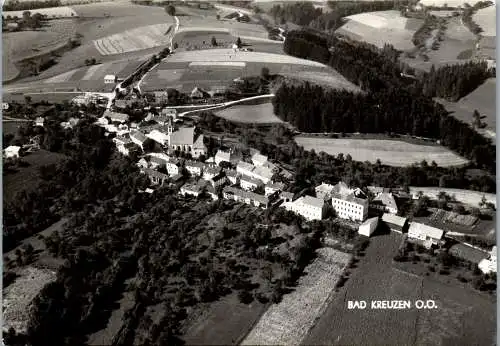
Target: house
{"type": "Point", "coordinates": [116, 117]}
{"type": "Point", "coordinates": [247, 197]}
{"type": "Point", "coordinates": [263, 173]}
{"type": "Point", "coordinates": [142, 163]}
{"type": "Point", "coordinates": [173, 167]}
{"type": "Point", "coordinates": [222, 156]}
{"type": "Point", "coordinates": [156, 178]}
{"type": "Point", "coordinates": [11, 152]}
{"type": "Point", "coordinates": [286, 196]}
{"type": "Point", "coordinates": [198, 93]}
{"type": "Point", "coordinates": [249, 183]}
{"type": "Point", "coordinates": [218, 91]}
{"type": "Point", "coordinates": [245, 168]}
{"type": "Point", "coordinates": [258, 159]}
{"type": "Point", "coordinates": [324, 191]}
{"type": "Point", "coordinates": [169, 112]}
{"type": "Point", "coordinates": [210, 190]}
{"type": "Point", "coordinates": [269, 189]}
{"type": "Point", "coordinates": [39, 121]}
{"type": "Point", "coordinates": [232, 176]}
{"type": "Point", "coordinates": [156, 162]}
{"type": "Point", "coordinates": [427, 235]}
{"type": "Point", "coordinates": [191, 189]}
{"type": "Point", "coordinates": [210, 172]}
{"type": "Point", "coordinates": [385, 201]}
{"type": "Point", "coordinates": [395, 223]}
{"type": "Point", "coordinates": [194, 168]}
{"type": "Point", "coordinates": [102, 121]}
{"type": "Point", "coordinates": [158, 137]}
{"type": "Point", "coordinates": [311, 208]}
{"type": "Point", "coordinates": [138, 138]}
{"type": "Point", "coordinates": [110, 79]}
{"type": "Point", "coordinates": [368, 227]}
{"type": "Point", "coordinates": [161, 96]}
{"type": "Point", "coordinates": [489, 265]}
{"type": "Point", "coordinates": [121, 144]}
{"type": "Point", "coordinates": [349, 203]}
{"type": "Point", "coordinates": [218, 180]}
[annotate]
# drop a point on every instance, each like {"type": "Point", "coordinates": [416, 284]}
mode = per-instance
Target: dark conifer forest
{"type": "Point", "coordinates": [390, 104]}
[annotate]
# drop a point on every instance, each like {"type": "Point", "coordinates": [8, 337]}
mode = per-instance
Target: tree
{"type": "Point", "coordinates": [218, 17]}
{"type": "Point", "coordinates": [264, 73]}
{"type": "Point", "coordinates": [214, 42]}
{"type": "Point", "coordinates": [170, 9]}
{"type": "Point", "coordinates": [238, 42]}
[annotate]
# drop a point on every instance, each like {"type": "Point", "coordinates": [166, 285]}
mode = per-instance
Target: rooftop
{"type": "Point", "coordinates": [250, 180]}
{"type": "Point", "coordinates": [194, 164]}
{"type": "Point", "coordinates": [139, 136]}
{"type": "Point", "coordinates": [276, 186]}
{"type": "Point", "coordinates": [395, 220]}
{"type": "Point", "coordinates": [183, 136]}
{"type": "Point", "coordinates": [387, 199]}
{"type": "Point", "coordinates": [116, 116]}
{"type": "Point", "coordinates": [311, 201]}
{"type": "Point", "coordinates": [259, 158]}
{"type": "Point", "coordinates": [153, 173]}
{"type": "Point", "coordinates": [246, 194]}
{"type": "Point", "coordinates": [245, 166]}
{"type": "Point", "coordinates": [433, 232]}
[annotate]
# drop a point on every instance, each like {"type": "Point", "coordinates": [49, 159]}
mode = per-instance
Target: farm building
{"type": "Point", "coordinates": [156, 178]}
{"type": "Point", "coordinates": [427, 235]}
{"type": "Point", "coordinates": [468, 253]}
{"type": "Point", "coordinates": [210, 172]}
{"type": "Point", "coordinates": [11, 152]}
{"type": "Point", "coordinates": [311, 208]}
{"type": "Point", "coordinates": [385, 201]}
{"type": "Point", "coordinates": [368, 227]}
{"type": "Point", "coordinates": [271, 188]}
{"type": "Point", "coordinates": [349, 203]}
{"type": "Point", "coordinates": [489, 265]}
{"type": "Point", "coordinates": [247, 197]}
{"type": "Point", "coordinates": [395, 223]}
{"type": "Point", "coordinates": [110, 79]}
{"type": "Point", "coordinates": [324, 191]}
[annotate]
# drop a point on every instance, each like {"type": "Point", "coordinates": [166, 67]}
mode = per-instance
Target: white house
{"type": "Point", "coordinates": [258, 159]}
{"type": "Point", "coordinates": [210, 172]}
{"type": "Point", "coordinates": [210, 190]}
{"type": "Point", "coordinates": [123, 144]}
{"type": "Point", "coordinates": [222, 156]}
{"type": "Point", "coordinates": [159, 137]}
{"type": "Point", "coordinates": [191, 189]}
{"type": "Point", "coordinates": [311, 208]}
{"type": "Point", "coordinates": [385, 201]}
{"type": "Point", "coordinates": [269, 189]}
{"type": "Point", "coordinates": [426, 234]}
{"type": "Point", "coordinates": [218, 180]}
{"type": "Point", "coordinates": [11, 151]}
{"type": "Point", "coordinates": [173, 167]}
{"type": "Point", "coordinates": [324, 191]}
{"type": "Point", "coordinates": [489, 265]}
{"type": "Point", "coordinates": [245, 168]}
{"type": "Point", "coordinates": [368, 227]}
{"type": "Point", "coordinates": [194, 168]}
{"type": "Point", "coordinates": [263, 173]}
{"type": "Point", "coordinates": [249, 184]}
{"type": "Point", "coordinates": [110, 79]}
{"type": "Point", "coordinates": [349, 203]}
{"type": "Point", "coordinates": [39, 121]}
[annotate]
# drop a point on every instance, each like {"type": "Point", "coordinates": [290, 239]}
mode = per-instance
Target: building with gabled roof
{"type": "Point", "coordinates": [116, 117]}
{"type": "Point", "coordinates": [245, 168]}
{"type": "Point", "coordinates": [210, 171]}
{"type": "Point", "coordinates": [395, 223]}
{"type": "Point", "coordinates": [348, 203]}
{"type": "Point", "coordinates": [159, 137]}
{"type": "Point", "coordinates": [368, 227]}
{"type": "Point", "coordinates": [218, 180]}
{"type": "Point", "coordinates": [191, 189]}
{"type": "Point", "coordinates": [194, 168]}
{"type": "Point", "coordinates": [39, 121]}
{"type": "Point", "coordinates": [232, 176]}
{"type": "Point", "coordinates": [156, 177]}
{"type": "Point", "coordinates": [271, 188]}
{"type": "Point", "coordinates": [311, 208]}
{"type": "Point", "coordinates": [258, 159]}
{"type": "Point", "coordinates": [173, 167]}
{"type": "Point", "coordinates": [262, 173]}
{"type": "Point", "coordinates": [249, 183]}
{"type": "Point", "coordinates": [157, 162]}
{"type": "Point", "coordinates": [11, 151]}
{"type": "Point", "coordinates": [427, 235]}
{"type": "Point", "coordinates": [199, 147]}
{"type": "Point", "coordinates": [324, 191]}
{"type": "Point", "coordinates": [385, 201]}
{"type": "Point", "coordinates": [247, 197]}
{"type": "Point", "coordinates": [138, 138]}
{"type": "Point", "coordinates": [222, 156]}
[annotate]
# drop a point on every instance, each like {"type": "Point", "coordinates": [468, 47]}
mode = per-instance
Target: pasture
{"type": "Point", "coordinates": [482, 99]}
{"type": "Point", "coordinates": [486, 19]}
{"type": "Point", "coordinates": [379, 28]}
{"type": "Point", "coordinates": [390, 152]}
{"type": "Point", "coordinates": [248, 114]}
{"type": "Point", "coordinates": [375, 278]}
{"type": "Point", "coordinates": [289, 321]}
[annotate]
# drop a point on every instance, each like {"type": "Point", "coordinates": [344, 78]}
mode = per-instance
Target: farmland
{"type": "Point", "coordinates": [213, 68]}
{"type": "Point", "coordinates": [376, 279]}
{"type": "Point", "coordinates": [465, 196]}
{"type": "Point", "coordinates": [379, 28]}
{"type": "Point", "coordinates": [486, 19]}
{"type": "Point", "coordinates": [451, 3]}
{"type": "Point", "coordinates": [390, 152]}
{"type": "Point", "coordinates": [482, 99]}
{"type": "Point", "coordinates": [257, 114]}
{"type": "Point", "coordinates": [289, 321]}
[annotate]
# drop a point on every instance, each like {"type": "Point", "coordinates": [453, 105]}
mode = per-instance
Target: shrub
{"type": "Point", "coordinates": [245, 297]}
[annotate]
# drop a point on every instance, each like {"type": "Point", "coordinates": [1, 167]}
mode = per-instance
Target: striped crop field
{"type": "Point", "coordinates": [145, 37]}
{"type": "Point", "coordinates": [288, 322]}
{"type": "Point", "coordinates": [389, 152]}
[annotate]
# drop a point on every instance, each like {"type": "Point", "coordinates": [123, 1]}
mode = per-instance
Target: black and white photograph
{"type": "Point", "coordinates": [253, 172]}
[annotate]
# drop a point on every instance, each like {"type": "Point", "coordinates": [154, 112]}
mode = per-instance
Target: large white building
{"type": "Point", "coordinates": [368, 227]}
{"type": "Point", "coordinates": [489, 265]}
{"type": "Point", "coordinates": [311, 208]}
{"type": "Point", "coordinates": [426, 234]}
{"type": "Point", "coordinates": [324, 191]}
{"type": "Point", "coordinates": [350, 204]}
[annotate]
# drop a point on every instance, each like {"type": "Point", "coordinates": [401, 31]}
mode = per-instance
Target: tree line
{"type": "Point", "coordinates": [30, 5]}
{"type": "Point", "coordinates": [300, 13]}
{"type": "Point", "coordinates": [392, 103]}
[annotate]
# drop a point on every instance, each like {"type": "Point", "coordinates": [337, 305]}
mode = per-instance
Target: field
{"type": "Point", "coordinates": [257, 114]}
{"type": "Point", "coordinates": [452, 3]}
{"type": "Point", "coordinates": [379, 28]}
{"type": "Point", "coordinates": [219, 67]}
{"type": "Point", "coordinates": [51, 12]}
{"type": "Point", "coordinates": [482, 99]}
{"type": "Point", "coordinates": [486, 19]}
{"type": "Point", "coordinates": [289, 321]}
{"type": "Point", "coordinates": [27, 177]}
{"type": "Point", "coordinates": [224, 322]}
{"type": "Point", "coordinates": [465, 196]}
{"type": "Point", "coordinates": [390, 152]}
{"type": "Point", "coordinates": [461, 314]}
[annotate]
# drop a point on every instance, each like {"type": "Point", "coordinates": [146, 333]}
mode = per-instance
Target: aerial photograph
{"type": "Point", "coordinates": [249, 172]}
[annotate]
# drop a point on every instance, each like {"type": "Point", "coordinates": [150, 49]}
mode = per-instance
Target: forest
{"type": "Point", "coordinates": [30, 5]}
{"type": "Point", "coordinates": [391, 105]}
